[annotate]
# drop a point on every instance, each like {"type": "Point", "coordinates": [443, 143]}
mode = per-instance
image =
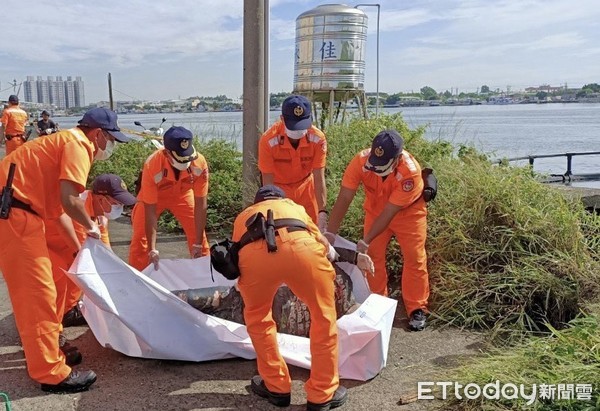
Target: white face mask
{"type": "Point", "coordinates": [115, 212]}
{"type": "Point", "coordinates": [106, 153]}
{"type": "Point", "coordinates": [181, 166]}
{"type": "Point", "coordinates": [386, 172]}
{"type": "Point", "coordinates": [295, 134]}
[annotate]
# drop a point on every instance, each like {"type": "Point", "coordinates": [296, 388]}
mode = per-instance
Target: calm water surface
{"type": "Point", "coordinates": [499, 130]}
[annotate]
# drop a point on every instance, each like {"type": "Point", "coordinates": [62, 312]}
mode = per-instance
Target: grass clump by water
{"type": "Point", "coordinates": [569, 356]}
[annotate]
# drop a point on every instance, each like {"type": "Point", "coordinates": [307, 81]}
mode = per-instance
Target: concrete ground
{"type": "Point", "coordinates": [126, 383]}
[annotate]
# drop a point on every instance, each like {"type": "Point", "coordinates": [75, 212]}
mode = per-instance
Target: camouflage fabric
{"type": "Point", "coordinates": [290, 314]}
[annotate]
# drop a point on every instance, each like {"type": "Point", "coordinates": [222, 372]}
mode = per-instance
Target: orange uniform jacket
{"type": "Point", "coordinates": [292, 168]}
{"type": "Point", "coordinates": [14, 120]}
{"type": "Point", "coordinates": [24, 257]}
{"type": "Point", "coordinates": [300, 262]}
{"type": "Point", "coordinates": [161, 187]}
{"type": "Point", "coordinates": [403, 188]}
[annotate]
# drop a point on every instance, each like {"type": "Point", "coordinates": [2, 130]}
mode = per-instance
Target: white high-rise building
{"type": "Point", "coordinates": [30, 91]}
{"type": "Point", "coordinates": [56, 92]}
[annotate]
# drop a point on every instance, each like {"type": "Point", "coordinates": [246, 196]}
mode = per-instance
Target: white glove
{"type": "Point", "coordinates": [330, 237]}
{"type": "Point", "coordinates": [362, 247]}
{"type": "Point", "coordinates": [153, 257]}
{"type": "Point", "coordinates": [196, 250]}
{"type": "Point", "coordinates": [332, 255]}
{"type": "Point", "coordinates": [48, 131]}
{"type": "Point", "coordinates": [94, 232]}
{"type": "Point", "coordinates": [365, 264]}
{"type": "Point", "coordinates": [322, 220]}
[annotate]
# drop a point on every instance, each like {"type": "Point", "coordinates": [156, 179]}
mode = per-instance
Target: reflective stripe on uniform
{"type": "Point", "coordinates": [409, 161]}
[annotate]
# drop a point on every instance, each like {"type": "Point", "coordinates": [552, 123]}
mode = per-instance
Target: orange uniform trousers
{"type": "Point", "coordinates": [26, 266]}
{"type": "Point", "coordinates": [13, 144]}
{"type": "Point", "coordinates": [183, 210]}
{"type": "Point", "coordinates": [301, 263]}
{"type": "Point", "coordinates": [303, 193]}
{"type": "Point", "coordinates": [410, 228]}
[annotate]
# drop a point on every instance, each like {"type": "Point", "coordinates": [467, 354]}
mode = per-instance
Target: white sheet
{"type": "Point", "coordinates": [137, 315]}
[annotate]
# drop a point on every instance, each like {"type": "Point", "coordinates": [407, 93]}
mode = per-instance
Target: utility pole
{"type": "Point", "coordinates": [256, 94]}
{"type": "Point", "coordinates": [110, 94]}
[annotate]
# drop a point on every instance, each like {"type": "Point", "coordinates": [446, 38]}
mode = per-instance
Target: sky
{"type": "Point", "coordinates": [183, 48]}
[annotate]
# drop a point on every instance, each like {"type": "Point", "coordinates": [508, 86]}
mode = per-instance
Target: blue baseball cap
{"type": "Point", "coordinates": [178, 140]}
{"type": "Point", "coordinates": [386, 146]}
{"type": "Point", "coordinates": [101, 117]}
{"type": "Point", "coordinates": [113, 186]}
{"type": "Point", "coordinates": [296, 113]}
{"type": "Point", "coordinates": [268, 192]}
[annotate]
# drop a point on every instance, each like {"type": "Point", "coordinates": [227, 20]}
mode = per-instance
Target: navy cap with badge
{"type": "Point", "coordinates": [386, 146]}
{"type": "Point", "coordinates": [113, 186]}
{"type": "Point", "coordinates": [267, 192]}
{"type": "Point", "coordinates": [296, 113]}
{"type": "Point", "coordinates": [101, 117]}
{"type": "Point", "coordinates": [178, 140]}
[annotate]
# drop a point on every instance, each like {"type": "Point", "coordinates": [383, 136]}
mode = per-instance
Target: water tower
{"type": "Point", "coordinates": [329, 67]}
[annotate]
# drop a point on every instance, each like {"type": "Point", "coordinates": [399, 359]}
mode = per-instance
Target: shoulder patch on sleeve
{"type": "Point", "coordinates": [408, 185]}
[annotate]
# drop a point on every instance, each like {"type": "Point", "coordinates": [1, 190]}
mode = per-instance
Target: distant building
{"type": "Point", "coordinates": [544, 87]}
{"type": "Point", "coordinates": [55, 92]}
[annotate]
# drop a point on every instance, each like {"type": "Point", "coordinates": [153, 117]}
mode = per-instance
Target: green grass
{"type": "Point", "coordinates": [569, 356]}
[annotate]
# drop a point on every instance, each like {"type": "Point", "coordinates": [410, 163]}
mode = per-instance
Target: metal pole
{"type": "Point", "coordinates": [110, 95]}
{"type": "Point", "coordinates": [378, 13]}
{"type": "Point", "coordinates": [255, 102]}
{"type": "Point", "coordinates": [266, 65]}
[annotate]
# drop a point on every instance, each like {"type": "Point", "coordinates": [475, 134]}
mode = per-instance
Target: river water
{"type": "Point", "coordinates": [500, 130]}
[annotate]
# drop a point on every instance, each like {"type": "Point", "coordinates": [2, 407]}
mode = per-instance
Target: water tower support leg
{"type": "Point", "coordinates": [331, 102]}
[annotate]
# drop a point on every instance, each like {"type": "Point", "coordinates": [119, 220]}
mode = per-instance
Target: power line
{"type": "Point", "coordinates": [127, 95]}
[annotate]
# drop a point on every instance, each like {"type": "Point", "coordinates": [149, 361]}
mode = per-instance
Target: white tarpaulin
{"type": "Point", "coordinates": [137, 315]}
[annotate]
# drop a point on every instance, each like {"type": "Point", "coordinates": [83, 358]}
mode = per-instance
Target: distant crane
{"type": "Point", "coordinates": [14, 85]}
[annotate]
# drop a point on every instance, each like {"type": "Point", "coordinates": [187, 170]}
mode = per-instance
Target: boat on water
{"type": "Point", "coordinates": [501, 100]}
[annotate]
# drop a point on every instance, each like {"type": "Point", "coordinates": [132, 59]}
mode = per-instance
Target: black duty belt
{"type": "Point", "coordinates": [16, 203]}
{"type": "Point", "coordinates": [290, 224]}
{"type": "Point", "coordinates": [11, 136]}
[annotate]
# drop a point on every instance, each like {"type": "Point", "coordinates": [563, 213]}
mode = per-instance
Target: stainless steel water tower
{"type": "Point", "coordinates": [329, 65]}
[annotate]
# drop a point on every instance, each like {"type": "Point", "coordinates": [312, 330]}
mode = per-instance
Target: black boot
{"type": "Point", "coordinates": [279, 399]}
{"type": "Point", "coordinates": [73, 318]}
{"type": "Point", "coordinates": [340, 396]}
{"type": "Point", "coordinates": [77, 381]}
